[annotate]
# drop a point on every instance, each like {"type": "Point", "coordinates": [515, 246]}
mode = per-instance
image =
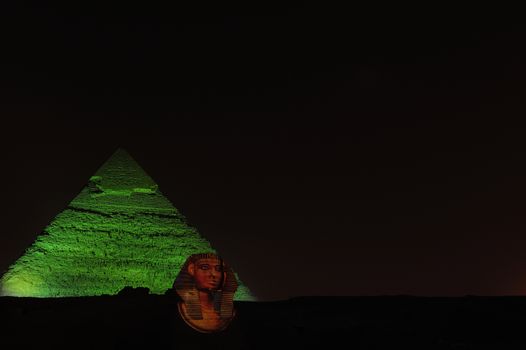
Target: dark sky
{"type": "Point", "coordinates": [322, 151]}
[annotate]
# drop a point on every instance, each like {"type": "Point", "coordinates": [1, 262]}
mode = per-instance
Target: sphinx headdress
{"type": "Point", "coordinates": [222, 297]}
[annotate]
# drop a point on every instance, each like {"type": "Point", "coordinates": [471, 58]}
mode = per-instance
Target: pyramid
{"type": "Point", "coordinates": [119, 231]}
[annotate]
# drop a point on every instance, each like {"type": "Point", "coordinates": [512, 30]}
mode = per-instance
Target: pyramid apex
{"type": "Point", "coordinates": [121, 173]}
{"type": "Point", "coordinates": [121, 150]}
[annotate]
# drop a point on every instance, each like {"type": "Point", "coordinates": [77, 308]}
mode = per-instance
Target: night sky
{"type": "Point", "coordinates": [321, 151]}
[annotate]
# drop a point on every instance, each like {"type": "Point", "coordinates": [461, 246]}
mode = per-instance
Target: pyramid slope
{"type": "Point", "coordinates": [119, 231]}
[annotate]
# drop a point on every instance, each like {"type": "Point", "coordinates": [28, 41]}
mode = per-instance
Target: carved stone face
{"type": "Point", "coordinates": [206, 286]}
{"type": "Point", "coordinates": [207, 273]}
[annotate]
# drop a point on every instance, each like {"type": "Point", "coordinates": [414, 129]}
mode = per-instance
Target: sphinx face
{"type": "Point", "coordinates": [206, 286]}
{"type": "Point", "coordinates": [208, 273]}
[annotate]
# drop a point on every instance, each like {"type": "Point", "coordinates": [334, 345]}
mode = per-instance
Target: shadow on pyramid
{"type": "Point", "coordinates": [119, 231]}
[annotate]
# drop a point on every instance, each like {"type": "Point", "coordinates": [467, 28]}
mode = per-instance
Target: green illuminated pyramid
{"type": "Point", "coordinates": [119, 231]}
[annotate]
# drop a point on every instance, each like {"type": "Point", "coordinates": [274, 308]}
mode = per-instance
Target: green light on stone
{"type": "Point", "coordinates": [119, 231]}
{"type": "Point", "coordinates": [23, 285]}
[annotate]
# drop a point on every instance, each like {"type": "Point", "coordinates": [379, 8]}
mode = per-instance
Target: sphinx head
{"type": "Point", "coordinates": [206, 285]}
